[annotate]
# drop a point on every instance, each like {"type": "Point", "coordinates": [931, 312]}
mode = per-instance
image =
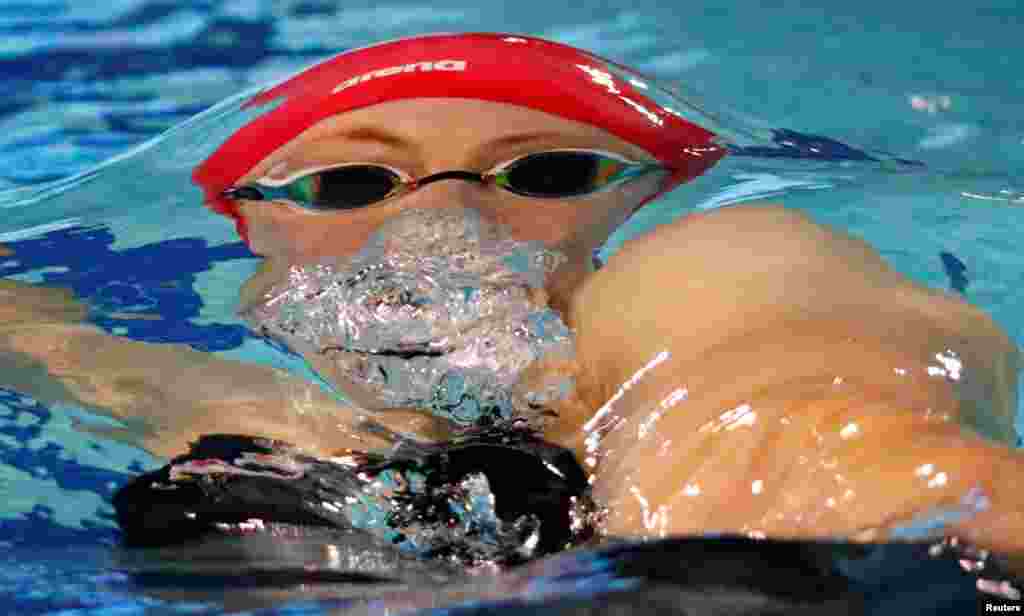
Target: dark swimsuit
{"type": "Point", "coordinates": [497, 495]}
{"type": "Point", "coordinates": [505, 497]}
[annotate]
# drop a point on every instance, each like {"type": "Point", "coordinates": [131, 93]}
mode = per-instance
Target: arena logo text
{"type": "Point", "coordinates": [437, 65]}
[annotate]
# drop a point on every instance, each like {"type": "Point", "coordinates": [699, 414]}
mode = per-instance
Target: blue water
{"type": "Point", "coordinates": [85, 82]}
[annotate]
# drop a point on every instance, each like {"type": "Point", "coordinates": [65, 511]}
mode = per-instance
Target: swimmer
{"type": "Point", "coordinates": [744, 370]}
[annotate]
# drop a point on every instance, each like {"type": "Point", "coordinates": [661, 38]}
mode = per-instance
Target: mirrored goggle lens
{"type": "Point", "coordinates": [344, 188]}
{"type": "Point", "coordinates": [550, 175]}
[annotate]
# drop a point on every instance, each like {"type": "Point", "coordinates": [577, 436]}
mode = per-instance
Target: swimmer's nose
{"type": "Point", "coordinates": [456, 192]}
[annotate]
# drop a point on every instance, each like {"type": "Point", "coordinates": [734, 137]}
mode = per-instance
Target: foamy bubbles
{"type": "Point", "coordinates": [439, 310]}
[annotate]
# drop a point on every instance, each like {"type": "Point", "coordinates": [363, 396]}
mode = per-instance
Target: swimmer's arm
{"type": "Point", "coordinates": [861, 467]}
{"type": "Point", "coordinates": [997, 472]}
{"type": "Point", "coordinates": [692, 286]}
{"type": "Point", "coordinates": [167, 394]}
{"type": "Point", "coordinates": [924, 480]}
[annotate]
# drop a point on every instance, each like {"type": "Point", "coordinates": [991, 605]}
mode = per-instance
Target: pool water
{"type": "Point", "coordinates": [927, 97]}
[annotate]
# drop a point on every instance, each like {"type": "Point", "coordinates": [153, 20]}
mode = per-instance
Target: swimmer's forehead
{"type": "Point", "coordinates": [446, 132]}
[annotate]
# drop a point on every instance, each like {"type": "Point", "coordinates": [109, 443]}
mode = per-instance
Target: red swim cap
{"type": "Point", "coordinates": [505, 68]}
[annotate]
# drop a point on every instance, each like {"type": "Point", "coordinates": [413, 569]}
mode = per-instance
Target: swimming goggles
{"type": "Point", "coordinates": [552, 174]}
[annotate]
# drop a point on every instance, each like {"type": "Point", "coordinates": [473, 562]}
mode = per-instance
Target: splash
{"type": "Point", "coordinates": [439, 310]}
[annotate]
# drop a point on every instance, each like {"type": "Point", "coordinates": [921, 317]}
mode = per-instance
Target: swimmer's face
{"type": "Point", "coordinates": [443, 296]}
{"type": "Point", "coordinates": [422, 137]}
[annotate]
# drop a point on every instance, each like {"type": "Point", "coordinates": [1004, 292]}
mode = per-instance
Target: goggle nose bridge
{"type": "Point", "coordinates": [469, 176]}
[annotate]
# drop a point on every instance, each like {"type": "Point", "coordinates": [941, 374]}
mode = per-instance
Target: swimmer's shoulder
{"type": "Point", "coordinates": [708, 277]}
{"type": "Point", "coordinates": [728, 278]}
{"type": "Point", "coordinates": [746, 239]}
